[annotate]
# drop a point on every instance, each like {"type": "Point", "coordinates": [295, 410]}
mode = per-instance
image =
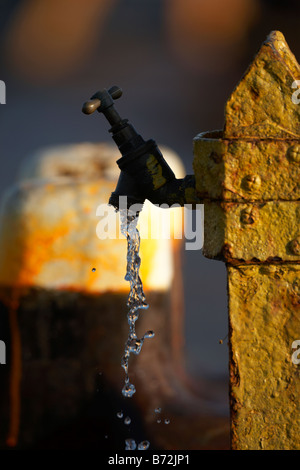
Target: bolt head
{"type": "Point", "coordinates": [249, 215]}
{"type": "Point", "coordinates": [295, 246]}
{"type": "Point", "coordinates": [293, 153]}
{"type": "Point", "coordinates": [251, 182]}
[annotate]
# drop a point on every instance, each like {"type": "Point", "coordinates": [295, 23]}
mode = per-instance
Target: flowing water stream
{"type": "Point", "coordinates": [136, 300]}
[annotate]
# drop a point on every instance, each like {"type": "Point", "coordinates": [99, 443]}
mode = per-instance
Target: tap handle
{"type": "Point", "coordinates": [115, 92]}
{"type": "Point", "coordinates": [91, 105]}
{"type": "Point", "coordinates": [102, 100]}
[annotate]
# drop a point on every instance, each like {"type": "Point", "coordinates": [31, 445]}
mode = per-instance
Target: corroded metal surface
{"type": "Point", "coordinates": [247, 170]}
{"type": "Point", "coordinates": [264, 306]}
{"type": "Point", "coordinates": [252, 232]}
{"type": "Point", "coordinates": [261, 105]}
{"type": "Point", "coordinates": [248, 175]}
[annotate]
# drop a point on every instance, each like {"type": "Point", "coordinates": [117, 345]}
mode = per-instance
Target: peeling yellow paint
{"type": "Point", "coordinates": [155, 170]}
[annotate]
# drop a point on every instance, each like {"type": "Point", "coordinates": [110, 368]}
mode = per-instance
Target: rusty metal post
{"type": "Point", "coordinates": [249, 175]}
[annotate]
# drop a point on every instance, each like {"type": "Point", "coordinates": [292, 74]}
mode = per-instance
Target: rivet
{"type": "Point", "coordinates": [295, 246]}
{"type": "Point", "coordinates": [251, 182]}
{"type": "Point", "coordinates": [249, 215]}
{"type": "Point", "coordinates": [293, 153]}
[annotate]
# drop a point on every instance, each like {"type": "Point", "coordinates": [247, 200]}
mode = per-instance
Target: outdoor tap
{"type": "Point", "coordinates": [144, 172]}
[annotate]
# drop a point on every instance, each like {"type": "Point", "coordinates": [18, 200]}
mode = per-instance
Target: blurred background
{"type": "Point", "coordinates": [177, 63]}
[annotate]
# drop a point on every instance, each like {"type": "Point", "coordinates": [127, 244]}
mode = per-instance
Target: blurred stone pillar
{"type": "Point", "coordinates": [63, 296]}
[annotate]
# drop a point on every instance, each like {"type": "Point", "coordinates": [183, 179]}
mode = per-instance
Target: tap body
{"type": "Point", "coordinates": [145, 174]}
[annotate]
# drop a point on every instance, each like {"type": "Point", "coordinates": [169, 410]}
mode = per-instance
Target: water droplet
{"type": "Point", "coordinates": [157, 410]}
{"type": "Point", "coordinates": [135, 346]}
{"type": "Point", "coordinates": [94, 269]}
{"type": "Point", "coordinates": [149, 334]}
{"type": "Point", "coordinates": [127, 420]}
{"type": "Point", "coordinates": [120, 414]}
{"type": "Point", "coordinates": [128, 390]}
{"type": "Point", "coordinates": [167, 421]}
{"type": "Point", "coordinates": [130, 444]}
{"type": "Point", "coordinates": [144, 445]}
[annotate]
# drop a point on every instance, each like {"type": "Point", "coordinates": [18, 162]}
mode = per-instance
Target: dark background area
{"type": "Point", "coordinates": [177, 63]}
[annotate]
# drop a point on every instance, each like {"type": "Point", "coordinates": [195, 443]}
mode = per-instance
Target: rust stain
{"type": "Point", "coordinates": [227, 251]}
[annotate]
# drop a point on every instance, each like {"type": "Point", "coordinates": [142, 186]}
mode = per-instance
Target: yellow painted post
{"type": "Point", "coordinates": [249, 175]}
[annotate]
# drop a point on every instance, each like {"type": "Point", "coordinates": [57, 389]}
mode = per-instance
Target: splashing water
{"type": "Point", "coordinates": [136, 299]}
{"type": "Point", "coordinates": [144, 445]}
{"type": "Point", "coordinates": [127, 420]}
{"type": "Point", "coordinates": [130, 444]}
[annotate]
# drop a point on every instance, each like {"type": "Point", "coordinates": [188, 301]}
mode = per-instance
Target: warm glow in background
{"type": "Point", "coordinates": [177, 62]}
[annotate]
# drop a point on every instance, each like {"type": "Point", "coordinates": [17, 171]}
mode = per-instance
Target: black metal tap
{"type": "Point", "coordinates": [144, 172]}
